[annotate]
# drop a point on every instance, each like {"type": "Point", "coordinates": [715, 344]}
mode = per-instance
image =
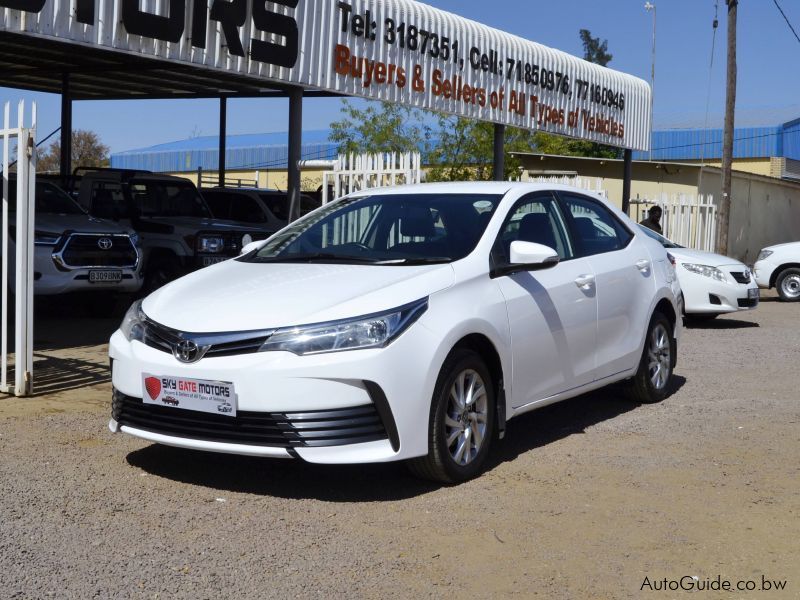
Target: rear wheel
{"type": "Point", "coordinates": [461, 423]}
{"type": "Point", "coordinates": [788, 284]}
{"type": "Point", "coordinates": [651, 381]}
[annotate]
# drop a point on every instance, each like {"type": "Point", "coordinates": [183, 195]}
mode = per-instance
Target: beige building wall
{"type": "Point", "coordinates": [310, 179]}
{"type": "Point", "coordinates": [757, 166]}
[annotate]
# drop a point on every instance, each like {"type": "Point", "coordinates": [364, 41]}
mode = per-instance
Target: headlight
{"type": "Point", "coordinates": [764, 254]}
{"type": "Point", "coordinates": [45, 238]}
{"type": "Point", "coordinates": [706, 271]}
{"type": "Point", "coordinates": [373, 331]}
{"type": "Point", "coordinates": [210, 244]}
{"type": "Point", "coordinates": [132, 326]}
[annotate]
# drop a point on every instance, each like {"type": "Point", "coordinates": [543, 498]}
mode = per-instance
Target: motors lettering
{"type": "Point", "coordinates": [230, 14]}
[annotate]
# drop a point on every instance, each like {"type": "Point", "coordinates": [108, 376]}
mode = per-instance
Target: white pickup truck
{"type": "Point", "coordinates": [75, 252]}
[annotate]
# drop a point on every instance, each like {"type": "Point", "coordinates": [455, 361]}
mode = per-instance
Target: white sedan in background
{"type": "Point", "coordinates": [712, 284]}
{"type": "Point", "coordinates": [779, 267]}
{"type": "Point", "coordinates": [401, 323]}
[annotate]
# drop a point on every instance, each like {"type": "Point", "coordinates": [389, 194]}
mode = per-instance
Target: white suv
{"type": "Point", "coordinates": [401, 323]}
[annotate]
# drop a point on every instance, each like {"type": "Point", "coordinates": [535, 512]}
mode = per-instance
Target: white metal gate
{"type": "Point", "coordinates": [364, 171]}
{"type": "Point", "coordinates": [687, 220]}
{"type": "Point", "coordinates": [17, 250]}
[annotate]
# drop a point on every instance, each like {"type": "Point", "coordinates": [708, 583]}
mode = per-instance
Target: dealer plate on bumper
{"type": "Point", "coordinates": [215, 397]}
{"type": "Point", "coordinates": [753, 293]}
{"type": "Point", "coordinates": [212, 260]}
{"type": "Point", "coordinates": [105, 276]}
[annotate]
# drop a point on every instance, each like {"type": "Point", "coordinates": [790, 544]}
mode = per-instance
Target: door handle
{"type": "Point", "coordinates": [643, 265]}
{"type": "Point", "coordinates": [585, 282]}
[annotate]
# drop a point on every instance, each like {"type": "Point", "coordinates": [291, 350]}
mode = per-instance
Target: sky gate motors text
{"type": "Point", "coordinates": [230, 14]}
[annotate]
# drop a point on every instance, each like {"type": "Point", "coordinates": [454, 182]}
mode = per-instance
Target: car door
{"type": "Point", "coordinates": [552, 313]}
{"type": "Point", "coordinates": [623, 276]}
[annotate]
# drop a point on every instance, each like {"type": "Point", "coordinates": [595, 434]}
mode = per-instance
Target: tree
{"type": "Point", "coordinates": [594, 50]}
{"type": "Point", "coordinates": [464, 150]}
{"type": "Point", "coordinates": [87, 151]}
{"type": "Point", "coordinates": [379, 127]}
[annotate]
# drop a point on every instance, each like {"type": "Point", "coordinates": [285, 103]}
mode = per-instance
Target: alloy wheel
{"type": "Point", "coordinates": [467, 415]}
{"type": "Point", "coordinates": [790, 286]}
{"type": "Point", "coordinates": [659, 357]}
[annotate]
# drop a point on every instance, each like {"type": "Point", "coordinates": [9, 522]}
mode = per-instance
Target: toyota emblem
{"type": "Point", "coordinates": [104, 243]}
{"type": "Point", "coordinates": [187, 351]}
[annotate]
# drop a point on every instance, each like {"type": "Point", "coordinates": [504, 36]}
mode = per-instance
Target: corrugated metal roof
{"type": "Point", "coordinates": [248, 151]}
{"type": "Point", "coordinates": [706, 144]}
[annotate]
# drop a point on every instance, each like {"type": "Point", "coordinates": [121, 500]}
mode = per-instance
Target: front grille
{"type": "Point", "coordinates": [335, 427]}
{"type": "Point", "coordinates": [748, 302]}
{"type": "Point", "coordinates": [741, 277]}
{"type": "Point", "coordinates": [83, 250]}
{"type": "Point", "coordinates": [165, 339]}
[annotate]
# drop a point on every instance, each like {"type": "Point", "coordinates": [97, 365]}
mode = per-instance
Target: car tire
{"type": "Point", "coordinates": [788, 284]}
{"type": "Point", "coordinates": [458, 417]}
{"type": "Point", "coordinates": [652, 379]}
{"type": "Point", "coordinates": [160, 271]}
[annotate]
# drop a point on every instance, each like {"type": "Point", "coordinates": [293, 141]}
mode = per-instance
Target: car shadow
{"type": "Point", "coordinates": [719, 323]}
{"type": "Point", "coordinates": [294, 479]}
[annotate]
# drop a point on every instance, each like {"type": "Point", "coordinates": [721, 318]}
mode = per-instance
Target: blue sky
{"type": "Point", "coordinates": [768, 87]}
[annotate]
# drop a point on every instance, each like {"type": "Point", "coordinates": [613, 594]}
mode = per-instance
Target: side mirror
{"type": "Point", "coordinates": [528, 256]}
{"type": "Point", "coordinates": [248, 248]}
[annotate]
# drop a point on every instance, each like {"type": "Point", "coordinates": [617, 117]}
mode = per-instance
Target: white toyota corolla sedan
{"type": "Point", "coordinates": [401, 323]}
{"type": "Point", "coordinates": [712, 284]}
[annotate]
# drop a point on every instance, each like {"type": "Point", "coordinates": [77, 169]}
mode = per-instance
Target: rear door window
{"type": "Point", "coordinates": [595, 228]}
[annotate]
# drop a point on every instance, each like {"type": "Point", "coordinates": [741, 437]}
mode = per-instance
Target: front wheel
{"type": "Point", "coordinates": [461, 423]}
{"type": "Point", "coordinates": [788, 284]}
{"type": "Point", "coordinates": [651, 381]}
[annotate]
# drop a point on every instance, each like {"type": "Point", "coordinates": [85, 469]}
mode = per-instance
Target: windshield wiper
{"type": "Point", "coordinates": [428, 260]}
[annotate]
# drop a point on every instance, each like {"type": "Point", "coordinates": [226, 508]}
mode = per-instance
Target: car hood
{"type": "Point", "coordinates": [699, 257]}
{"type": "Point", "coordinates": [242, 296]}
{"type": "Point", "coordinates": [791, 246]}
{"type": "Point", "coordinates": [58, 223]}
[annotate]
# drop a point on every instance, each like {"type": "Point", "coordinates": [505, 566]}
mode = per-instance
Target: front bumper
{"type": "Point", "coordinates": [50, 280]}
{"type": "Point", "coordinates": [762, 271]}
{"type": "Point", "coordinates": [273, 388]}
{"type": "Point", "coordinates": [704, 295]}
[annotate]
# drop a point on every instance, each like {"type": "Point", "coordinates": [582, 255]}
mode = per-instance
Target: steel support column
{"type": "Point", "coordinates": [499, 167]}
{"type": "Point", "coordinates": [223, 134]}
{"type": "Point", "coordinates": [626, 182]}
{"type": "Point", "coordinates": [66, 130]}
{"type": "Point", "coordinates": [295, 141]}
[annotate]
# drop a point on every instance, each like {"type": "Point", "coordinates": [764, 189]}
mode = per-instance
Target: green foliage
{"type": "Point", "coordinates": [378, 127]}
{"type": "Point", "coordinates": [464, 150]}
{"type": "Point", "coordinates": [594, 50]}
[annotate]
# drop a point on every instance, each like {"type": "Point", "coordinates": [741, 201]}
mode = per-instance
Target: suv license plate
{"type": "Point", "coordinates": [212, 260]}
{"type": "Point", "coordinates": [752, 293]}
{"type": "Point", "coordinates": [105, 276]}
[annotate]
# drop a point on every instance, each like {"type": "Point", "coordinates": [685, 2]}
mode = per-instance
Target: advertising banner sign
{"type": "Point", "coordinates": [399, 51]}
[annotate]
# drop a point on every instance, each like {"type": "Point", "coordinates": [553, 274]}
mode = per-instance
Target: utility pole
{"type": "Point", "coordinates": [723, 222]}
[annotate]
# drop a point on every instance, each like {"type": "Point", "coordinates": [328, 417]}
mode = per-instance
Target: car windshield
{"type": "Point", "coordinates": [659, 238]}
{"type": "Point", "coordinates": [50, 199]}
{"type": "Point", "coordinates": [389, 229]}
{"type": "Point", "coordinates": [168, 199]}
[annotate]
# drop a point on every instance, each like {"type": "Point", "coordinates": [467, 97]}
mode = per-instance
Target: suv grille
{"type": "Point", "coordinates": [84, 250]}
{"type": "Point", "coordinates": [220, 344]}
{"type": "Point", "coordinates": [335, 427]}
{"type": "Point", "coordinates": [741, 277]}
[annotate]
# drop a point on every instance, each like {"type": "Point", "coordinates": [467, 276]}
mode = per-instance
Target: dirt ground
{"type": "Point", "coordinates": [592, 498]}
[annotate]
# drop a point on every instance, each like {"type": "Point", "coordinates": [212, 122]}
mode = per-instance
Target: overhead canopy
{"type": "Point", "coordinates": [394, 50]}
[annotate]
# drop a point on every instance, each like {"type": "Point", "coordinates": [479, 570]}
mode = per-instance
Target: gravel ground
{"type": "Point", "coordinates": [584, 499]}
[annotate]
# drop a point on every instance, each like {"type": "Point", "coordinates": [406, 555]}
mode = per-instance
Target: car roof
{"type": "Point", "coordinates": [473, 187]}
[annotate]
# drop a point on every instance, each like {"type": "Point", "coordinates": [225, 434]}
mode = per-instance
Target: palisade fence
{"type": "Point", "coordinates": [18, 251]}
{"type": "Point", "coordinates": [687, 220]}
{"type": "Point", "coordinates": [356, 172]}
